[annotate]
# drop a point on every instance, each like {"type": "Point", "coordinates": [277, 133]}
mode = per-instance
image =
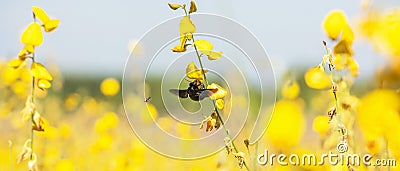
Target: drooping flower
{"type": "Point", "coordinates": [221, 92]}
{"type": "Point", "coordinates": [193, 72]}
{"type": "Point", "coordinates": [316, 78]}
{"type": "Point", "coordinates": [205, 47]}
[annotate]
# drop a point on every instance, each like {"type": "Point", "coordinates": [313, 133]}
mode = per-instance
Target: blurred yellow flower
{"type": "Point", "coordinates": [290, 90]}
{"type": "Point", "coordinates": [316, 78]}
{"type": "Point", "coordinates": [71, 102]}
{"type": "Point", "coordinates": [378, 113]}
{"type": "Point", "coordinates": [32, 35]}
{"type": "Point", "coordinates": [9, 75]}
{"type": "Point", "coordinates": [321, 125]}
{"type": "Point", "coordinates": [149, 113]}
{"type": "Point", "coordinates": [110, 87]}
{"type": "Point", "coordinates": [16, 63]}
{"type": "Point", "coordinates": [382, 30]}
{"type": "Point", "coordinates": [108, 121]}
{"type": "Point", "coordinates": [193, 72]}
{"type": "Point", "coordinates": [334, 23]}
{"type": "Point", "coordinates": [287, 124]}
{"type": "Point", "coordinates": [221, 92]}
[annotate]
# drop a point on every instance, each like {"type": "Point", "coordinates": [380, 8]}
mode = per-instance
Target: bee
{"type": "Point", "coordinates": [147, 99]}
{"type": "Point", "coordinates": [196, 91]}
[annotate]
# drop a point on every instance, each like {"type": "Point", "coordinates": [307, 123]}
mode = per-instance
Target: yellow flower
{"type": "Point", "coordinates": [220, 104]}
{"type": "Point", "coordinates": [206, 47]}
{"type": "Point", "coordinates": [316, 78]}
{"type": "Point", "coordinates": [174, 6]}
{"type": "Point", "coordinates": [38, 122]}
{"type": "Point", "coordinates": [193, 7]}
{"type": "Point", "coordinates": [321, 125]}
{"type": "Point", "coordinates": [182, 46]}
{"type": "Point", "coordinates": [16, 63]}
{"type": "Point", "coordinates": [287, 124]}
{"type": "Point", "coordinates": [49, 24]}
{"type": "Point", "coordinates": [212, 121]}
{"type": "Point", "coordinates": [110, 87]}
{"type": "Point", "coordinates": [193, 72]}
{"type": "Point", "coordinates": [107, 122]}
{"type": "Point", "coordinates": [221, 92]}
{"type": "Point", "coordinates": [290, 90]}
{"type": "Point", "coordinates": [25, 152]}
{"type": "Point", "coordinates": [378, 113]}
{"type": "Point", "coordinates": [32, 35]}
{"type": "Point", "coordinates": [381, 29]}
{"type": "Point", "coordinates": [334, 23]}
{"type": "Point", "coordinates": [40, 72]}
{"type": "Point", "coordinates": [187, 27]}
{"type": "Point", "coordinates": [343, 47]}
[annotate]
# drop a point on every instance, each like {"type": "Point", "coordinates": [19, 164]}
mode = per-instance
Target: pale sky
{"type": "Point", "coordinates": [93, 35]}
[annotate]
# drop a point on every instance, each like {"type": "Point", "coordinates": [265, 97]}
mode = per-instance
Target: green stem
{"type": "Point", "coordinates": [333, 83]}
{"type": "Point", "coordinates": [215, 107]}
{"type": "Point", "coordinates": [32, 101]}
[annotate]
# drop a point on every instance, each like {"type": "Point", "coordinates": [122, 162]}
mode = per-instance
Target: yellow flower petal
{"type": "Point", "coordinates": [186, 27]}
{"type": "Point", "coordinates": [193, 7]}
{"type": "Point", "coordinates": [174, 6]}
{"type": "Point", "coordinates": [193, 72]}
{"type": "Point", "coordinates": [316, 78]}
{"type": "Point", "coordinates": [28, 49]}
{"type": "Point", "coordinates": [40, 72]}
{"type": "Point", "coordinates": [214, 55]}
{"type": "Point", "coordinates": [40, 14]}
{"type": "Point", "coordinates": [51, 25]}
{"type": "Point", "coordinates": [32, 35]}
{"type": "Point", "coordinates": [221, 92]}
{"type": "Point", "coordinates": [203, 46]}
{"type": "Point", "coordinates": [353, 66]}
{"type": "Point", "coordinates": [44, 84]}
{"type": "Point", "coordinates": [334, 23]}
{"type": "Point", "coordinates": [290, 90]}
{"type": "Point", "coordinates": [343, 47]}
{"type": "Point", "coordinates": [182, 46]}
{"type": "Point", "coordinates": [220, 103]}
{"type": "Point", "coordinates": [16, 63]}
